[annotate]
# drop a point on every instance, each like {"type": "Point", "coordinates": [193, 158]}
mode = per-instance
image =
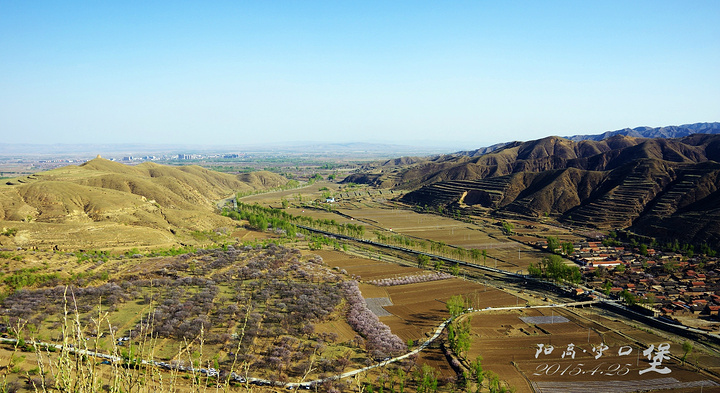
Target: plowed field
{"type": "Point", "coordinates": [572, 365]}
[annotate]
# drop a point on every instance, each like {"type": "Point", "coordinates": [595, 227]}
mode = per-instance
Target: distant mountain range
{"type": "Point", "coordinates": [662, 187]}
{"type": "Point", "coordinates": [657, 132]}
{"type": "Point", "coordinates": [638, 132]}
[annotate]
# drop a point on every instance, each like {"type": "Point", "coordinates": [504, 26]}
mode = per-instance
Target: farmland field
{"type": "Point", "coordinates": [371, 209]}
{"type": "Point", "coordinates": [621, 364]}
{"type": "Point", "coordinates": [506, 343]}
{"type": "Point", "coordinates": [417, 309]}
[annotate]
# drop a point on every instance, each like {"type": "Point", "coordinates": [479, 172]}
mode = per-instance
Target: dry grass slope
{"type": "Point", "coordinates": [101, 196]}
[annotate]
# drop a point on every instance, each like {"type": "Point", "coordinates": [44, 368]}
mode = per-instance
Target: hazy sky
{"type": "Point", "coordinates": [446, 72]}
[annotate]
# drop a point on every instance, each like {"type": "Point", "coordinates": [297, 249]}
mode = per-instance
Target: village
{"type": "Point", "coordinates": [682, 288]}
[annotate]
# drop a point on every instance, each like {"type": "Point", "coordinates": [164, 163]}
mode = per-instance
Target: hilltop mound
{"type": "Point", "coordinates": [262, 179]}
{"type": "Point", "coordinates": [149, 197]}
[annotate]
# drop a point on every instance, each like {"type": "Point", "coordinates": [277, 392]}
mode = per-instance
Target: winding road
{"type": "Point", "coordinates": [294, 385]}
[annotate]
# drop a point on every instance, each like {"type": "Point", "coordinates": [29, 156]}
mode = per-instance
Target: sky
{"type": "Point", "coordinates": [465, 74]}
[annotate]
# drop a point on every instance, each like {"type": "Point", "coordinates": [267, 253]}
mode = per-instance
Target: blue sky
{"type": "Point", "coordinates": [461, 74]}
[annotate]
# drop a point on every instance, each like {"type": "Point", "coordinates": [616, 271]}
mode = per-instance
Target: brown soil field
{"type": "Point", "coordinates": [506, 343]}
{"type": "Point", "coordinates": [427, 226]}
{"type": "Point", "coordinates": [434, 357]}
{"type": "Point", "coordinates": [502, 252]}
{"type": "Point", "coordinates": [367, 269]}
{"type": "Point", "coordinates": [244, 235]}
{"type": "Point", "coordinates": [417, 308]}
{"type": "Point", "coordinates": [514, 360]}
{"type": "Point", "coordinates": [319, 214]}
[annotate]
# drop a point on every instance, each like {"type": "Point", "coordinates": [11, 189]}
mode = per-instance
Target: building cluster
{"type": "Point", "coordinates": [143, 158]}
{"type": "Point", "coordinates": [178, 157]}
{"type": "Point", "coordinates": [668, 282]}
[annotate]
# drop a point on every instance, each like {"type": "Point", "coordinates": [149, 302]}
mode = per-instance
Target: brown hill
{"type": "Point", "coordinates": [654, 186]}
{"type": "Point", "coordinates": [99, 196]}
{"type": "Point", "coordinates": [558, 153]}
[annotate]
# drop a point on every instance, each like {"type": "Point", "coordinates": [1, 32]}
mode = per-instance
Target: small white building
{"type": "Point", "coordinates": [607, 264]}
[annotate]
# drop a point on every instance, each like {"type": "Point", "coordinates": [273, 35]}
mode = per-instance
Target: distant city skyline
{"type": "Point", "coordinates": [464, 73]}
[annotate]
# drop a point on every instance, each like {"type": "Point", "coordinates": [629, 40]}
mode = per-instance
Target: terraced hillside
{"type": "Point", "coordinates": [653, 185]}
{"type": "Point", "coordinates": [688, 208]}
{"type": "Point", "coordinates": [486, 192]}
{"type": "Point", "coordinates": [539, 155]}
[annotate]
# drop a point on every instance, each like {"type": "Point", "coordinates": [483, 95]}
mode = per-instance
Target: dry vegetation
{"type": "Point", "coordinates": [281, 313]}
{"type": "Point", "coordinates": [252, 310]}
{"type": "Point", "coordinates": [104, 204]}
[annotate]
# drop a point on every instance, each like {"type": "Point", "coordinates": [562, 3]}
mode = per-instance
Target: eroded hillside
{"type": "Point", "coordinates": [661, 187]}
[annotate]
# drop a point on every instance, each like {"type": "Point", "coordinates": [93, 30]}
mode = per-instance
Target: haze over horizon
{"type": "Point", "coordinates": [412, 73]}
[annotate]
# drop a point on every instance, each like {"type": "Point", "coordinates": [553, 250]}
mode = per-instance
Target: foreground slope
{"type": "Point", "coordinates": [107, 204]}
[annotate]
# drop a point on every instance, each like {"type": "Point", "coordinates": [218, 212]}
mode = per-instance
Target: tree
{"type": "Point", "coordinates": [687, 347]}
{"type": "Point", "coordinates": [456, 305]}
{"type": "Point", "coordinates": [427, 380]}
{"type": "Point", "coordinates": [508, 228]}
{"type": "Point", "coordinates": [552, 267]}
{"type": "Point", "coordinates": [455, 270]}
{"type": "Point", "coordinates": [477, 371]}
{"type": "Point", "coordinates": [401, 380]}
{"type": "Point", "coordinates": [670, 267]}
{"type": "Point", "coordinates": [607, 286]}
{"type": "Point", "coordinates": [600, 272]}
{"type": "Point", "coordinates": [423, 260]}
{"type": "Point", "coordinates": [690, 252]}
{"type": "Point", "coordinates": [552, 243]}
{"type": "Point", "coordinates": [628, 297]}
{"type": "Point", "coordinates": [462, 337]}
{"type": "Point", "coordinates": [344, 360]}
{"type": "Point", "coordinates": [649, 299]}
